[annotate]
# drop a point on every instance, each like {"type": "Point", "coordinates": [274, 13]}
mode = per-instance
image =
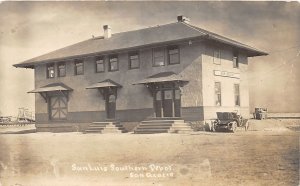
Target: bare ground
{"type": "Point", "coordinates": [269, 157]}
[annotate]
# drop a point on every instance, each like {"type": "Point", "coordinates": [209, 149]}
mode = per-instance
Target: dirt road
{"type": "Point", "coordinates": [201, 158]}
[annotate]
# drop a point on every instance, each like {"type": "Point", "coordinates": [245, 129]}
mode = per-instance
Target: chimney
{"type": "Point", "coordinates": [181, 18]}
{"type": "Point", "coordinates": [107, 31]}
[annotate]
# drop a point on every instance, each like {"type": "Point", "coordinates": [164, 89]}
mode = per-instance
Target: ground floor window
{"type": "Point", "coordinates": [58, 107]}
{"type": "Point", "coordinates": [237, 95]}
{"type": "Point", "coordinates": [218, 98]}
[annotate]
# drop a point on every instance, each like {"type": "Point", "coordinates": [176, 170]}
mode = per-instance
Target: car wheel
{"type": "Point", "coordinates": [233, 126]}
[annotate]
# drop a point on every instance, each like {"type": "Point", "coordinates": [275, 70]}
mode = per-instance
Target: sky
{"type": "Point", "coordinates": [30, 29]}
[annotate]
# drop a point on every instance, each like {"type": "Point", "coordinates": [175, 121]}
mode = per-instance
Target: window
{"type": "Point", "coordinates": [173, 54]}
{"type": "Point", "coordinates": [158, 57]}
{"type": "Point", "coordinates": [218, 94]}
{"type": "Point", "coordinates": [237, 95]}
{"type": "Point", "coordinates": [100, 64]}
{"type": "Point", "coordinates": [61, 69]}
{"type": "Point", "coordinates": [217, 57]}
{"type": "Point", "coordinates": [50, 71]}
{"type": "Point", "coordinates": [134, 61]}
{"type": "Point", "coordinates": [78, 67]}
{"type": "Point", "coordinates": [235, 61]}
{"type": "Point", "coordinates": [113, 63]}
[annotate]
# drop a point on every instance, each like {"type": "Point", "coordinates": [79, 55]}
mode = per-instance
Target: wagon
{"type": "Point", "coordinates": [229, 121]}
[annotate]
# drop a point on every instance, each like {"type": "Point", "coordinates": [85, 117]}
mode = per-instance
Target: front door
{"type": "Point", "coordinates": [111, 106]}
{"type": "Point", "coordinates": [177, 103]}
{"type": "Point", "coordinates": [167, 103]}
{"type": "Point", "coordinates": [158, 104]}
{"type": "Point", "coordinates": [58, 107]}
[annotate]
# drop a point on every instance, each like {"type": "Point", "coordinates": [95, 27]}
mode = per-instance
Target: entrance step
{"type": "Point", "coordinates": [163, 126]}
{"type": "Point", "coordinates": [164, 118]}
{"type": "Point", "coordinates": [105, 127]}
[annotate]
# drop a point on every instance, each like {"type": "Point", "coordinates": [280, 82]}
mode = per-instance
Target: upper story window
{"type": "Point", "coordinates": [217, 57]}
{"type": "Point", "coordinates": [99, 64]}
{"type": "Point", "coordinates": [158, 57]}
{"type": "Point", "coordinates": [173, 55]}
{"type": "Point", "coordinates": [237, 95]}
{"type": "Point", "coordinates": [78, 68]}
{"type": "Point", "coordinates": [218, 96]}
{"type": "Point", "coordinates": [61, 69]}
{"type": "Point", "coordinates": [235, 61]}
{"type": "Point", "coordinates": [50, 70]}
{"type": "Point", "coordinates": [113, 63]}
{"type": "Point", "coordinates": [134, 61]}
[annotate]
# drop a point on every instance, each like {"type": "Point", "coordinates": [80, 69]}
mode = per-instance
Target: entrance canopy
{"type": "Point", "coordinates": [104, 84]}
{"type": "Point", "coordinates": [162, 77]}
{"type": "Point", "coordinates": [51, 88]}
{"type": "Point", "coordinates": [106, 88]}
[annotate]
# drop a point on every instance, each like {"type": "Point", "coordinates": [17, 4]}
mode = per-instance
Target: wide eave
{"type": "Point", "coordinates": [169, 33]}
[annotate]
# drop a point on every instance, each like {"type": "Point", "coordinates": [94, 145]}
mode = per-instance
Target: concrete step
{"type": "Point", "coordinates": [155, 124]}
{"type": "Point", "coordinates": [105, 127]}
{"type": "Point", "coordinates": [164, 118]}
{"type": "Point", "coordinates": [150, 131]}
{"type": "Point", "coordinates": [163, 126]}
{"type": "Point", "coordinates": [95, 128]}
{"type": "Point", "coordinates": [153, 127]}
{"type": "Point", "coordinates": [163, 121]}
{"type": "Point", "coordinates": [181, 125]}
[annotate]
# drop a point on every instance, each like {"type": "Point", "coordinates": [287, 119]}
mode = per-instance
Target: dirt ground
{"type": "Point", "coordinates": [269, 156]}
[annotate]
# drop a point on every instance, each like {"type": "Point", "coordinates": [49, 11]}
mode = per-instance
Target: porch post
{"type": "Point", "coordinates": [162, 94]}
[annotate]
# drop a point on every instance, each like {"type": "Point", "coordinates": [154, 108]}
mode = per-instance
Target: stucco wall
{"type": "Point", "coordinates": [85, 102]}
{"type": "Point", "coordinates": [227, 83]}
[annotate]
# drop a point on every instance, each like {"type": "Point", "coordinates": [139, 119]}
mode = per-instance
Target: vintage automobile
{"type": "Point", "coordinates": [260, 113]}
{"type": "Point", "coordinates": [229, 121]}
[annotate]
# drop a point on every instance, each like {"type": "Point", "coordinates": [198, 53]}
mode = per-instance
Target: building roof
{"type": "Point", "coordinates": [52, 88]}
{"type": "Point", "coordinates": [162, 77]}
{"type": "Point", "coordinates": [104, 84]}
{"type": "Point", "coordinates": [137, 38]}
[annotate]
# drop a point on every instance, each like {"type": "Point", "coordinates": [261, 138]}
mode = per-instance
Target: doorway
{"type": "Point", "coordinates": [110, 106]}
{"type": "Point", "coordinates": [58, 107]}
{"type": "Point", "coordinates": [167, 103]}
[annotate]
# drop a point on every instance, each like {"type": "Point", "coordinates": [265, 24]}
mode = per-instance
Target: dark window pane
{"type": "Point", "coordinates": [100, 65]}
{"type": "Point", "coordinates": [218, 97]}
{"type": "Point", "coordinates": [237, 94]}
{"type": "Point", "coordinates": [113, 64]}
{"type": "Point", "coordinates": [235, 62]}
{"type": "Point", "coordinates": [78, 68]}
{"type": "Point", "coordinates": [217, 57]}
{"type": "Point", "coordinates": [61, 70]}
{"type": "Point", "coordinates": [158, 57]}
{"type": "Point", "coordinates": [134, 61]}
{"type": "Point", "coordinates": [174, 56]}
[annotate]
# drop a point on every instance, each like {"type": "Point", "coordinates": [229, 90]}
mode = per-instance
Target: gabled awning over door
{"type": "Point", "coordinates": [106, 87]}
{"type": "Point", "coordinates": [51, 88]}
{"type": "Point", "coordinates": [104, 84]}
{"type": "Point", "coordinates": [162, 77]}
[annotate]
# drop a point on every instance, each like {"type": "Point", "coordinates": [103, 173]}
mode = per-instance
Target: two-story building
{"type": "Point", "coordinates": [170, 71]}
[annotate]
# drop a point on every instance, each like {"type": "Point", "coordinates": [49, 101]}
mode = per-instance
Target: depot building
{"type": "Point", "coordinates": [169, 71]}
